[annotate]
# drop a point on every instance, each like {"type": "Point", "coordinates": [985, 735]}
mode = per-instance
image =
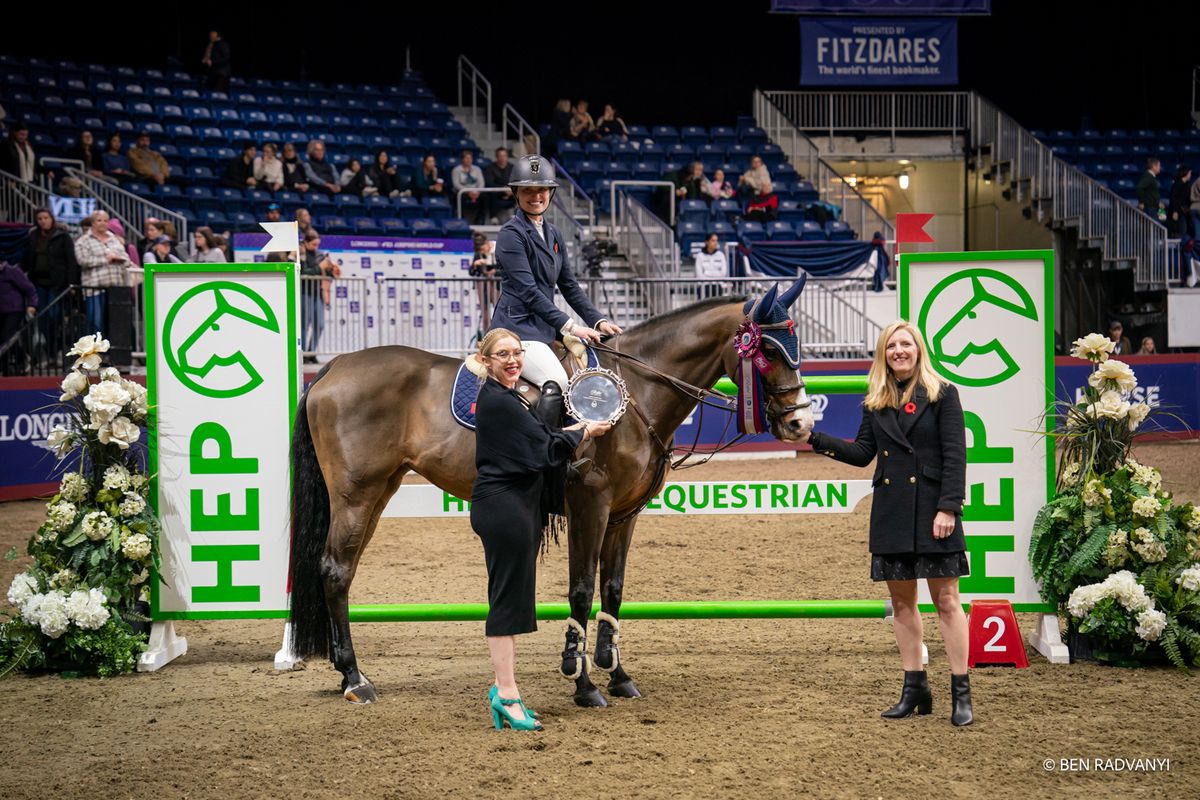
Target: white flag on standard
{"type": "Point", "coordinates": [285, 237]}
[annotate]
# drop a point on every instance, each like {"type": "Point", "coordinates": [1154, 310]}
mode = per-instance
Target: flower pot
{"type": "Point", "coordinates": [1081, 646]}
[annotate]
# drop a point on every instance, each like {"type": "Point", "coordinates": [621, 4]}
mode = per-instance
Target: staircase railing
{"type": "Point", "coordinates": [523, 132]}
{"type": "Point", "coordinates": [647, 241]}
{"type": "Point", "coordinates": [128, 207]}
{"type": "Point", "coordinates": [477, 98]}
{"type": "Point", "coordinates": [805, 156]}
{"type": "Point", "coordinates": [18, 199]}
{"type": "Point", "coordinates": [578, 200]}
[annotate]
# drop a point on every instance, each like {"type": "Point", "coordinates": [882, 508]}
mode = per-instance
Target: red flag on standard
{"type": "Point", "coordinates": [911, 228]}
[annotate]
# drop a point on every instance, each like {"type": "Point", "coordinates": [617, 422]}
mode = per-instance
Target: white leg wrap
{"type": "Point", "coordinates": [616, 639]}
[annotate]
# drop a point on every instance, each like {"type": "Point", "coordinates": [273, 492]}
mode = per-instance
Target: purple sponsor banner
{"type": "Point", "coordinates": [255, 241]}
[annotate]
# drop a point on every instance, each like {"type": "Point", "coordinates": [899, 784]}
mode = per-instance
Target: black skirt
{"type": "Point", "coordinates": [507, 523]}
{"type": "Point", "coordinates": [911, 566]}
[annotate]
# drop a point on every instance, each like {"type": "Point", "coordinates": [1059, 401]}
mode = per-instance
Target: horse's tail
{"type": "Point", "coordinates": [312, 634]}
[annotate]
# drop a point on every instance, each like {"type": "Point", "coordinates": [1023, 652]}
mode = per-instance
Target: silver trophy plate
{"type": "Point", "coordinates": [596, 395]}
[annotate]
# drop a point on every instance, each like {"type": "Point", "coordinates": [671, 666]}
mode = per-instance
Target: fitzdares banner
{"type": "Point", "coordinates": [878, 52]}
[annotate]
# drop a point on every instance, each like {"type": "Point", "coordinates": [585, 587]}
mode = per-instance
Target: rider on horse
{"type": "Point", "coordinates": [532, 257]}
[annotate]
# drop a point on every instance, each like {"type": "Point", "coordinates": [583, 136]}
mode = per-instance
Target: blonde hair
{"type": "Point", "coordinates": [488, 342]}
{"type": "Point", "coordinates": [882, 389]}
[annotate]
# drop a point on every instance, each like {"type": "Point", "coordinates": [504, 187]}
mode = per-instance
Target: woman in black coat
{"type": "Point", "coordinates": [518, 493]}
{"type": "Point", "coordinates": [913, 426]}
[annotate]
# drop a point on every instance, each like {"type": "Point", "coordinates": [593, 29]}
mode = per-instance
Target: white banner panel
{"type": "Point", "coordinates": [988, 322]}
{"type": "Point", "coordinates": [222, 367]}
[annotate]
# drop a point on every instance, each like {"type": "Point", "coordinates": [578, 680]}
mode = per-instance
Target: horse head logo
{"type": "Point", "coordinates": [214, 329]}
{"type": "Point", "coordinates": [963, 343]}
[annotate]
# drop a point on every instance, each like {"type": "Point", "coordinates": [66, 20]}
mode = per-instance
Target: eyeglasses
{"type": "Point", "coordinates": [504, 355]}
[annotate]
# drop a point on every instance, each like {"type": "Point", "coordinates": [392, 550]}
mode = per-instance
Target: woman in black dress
{"type": "Point", "coordinates": [518, 492]}
{"type": "Point", "coordinates": [913, 424]}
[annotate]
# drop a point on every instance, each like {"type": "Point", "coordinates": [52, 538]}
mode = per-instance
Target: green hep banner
{"type": "Point", "coordinates": [988, 323]}
{"type": "Point", "coordinates": [221, 369]}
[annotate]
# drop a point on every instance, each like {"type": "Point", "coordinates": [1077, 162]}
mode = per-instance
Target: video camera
{"type": "Point", "coordinates": [594, 253]}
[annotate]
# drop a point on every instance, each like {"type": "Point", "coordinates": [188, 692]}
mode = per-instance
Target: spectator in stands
{"type": "Point", "coordinates": [148, 164]}
{"type": "Point", "coordinates": [427, 183]}
{"type": "Point", "coordinates": [1116, 332]}
{"type": "Point", "coordinates": [118, 230]}
{"type": "Point", "coordinates": [319, 172]}
{"type": "Point", "coordinates": [355, 180]}
{"type": "Point", "coordinates": [274, 212]}
{"type": "Point", "coordinates": [560, 125]}
{"type": "Point", "coordinates": [153, 227]}
{"type": "Point", "coordinates": [218, 58]}
{"type": "Point", "coordinates": [113, 161]}
{"type": "Point", "coordinates": [85, 150]}
{"type": "Point", "coordinates": [268, 169]}
{"type": "Point", "coordinates": [49, 261]}
{"type": "Point", "coordinates": [484, 266]}
{"type": "Point", "coordinates": [1147, 348]}
{"type": "Point", "coordinates": [239, 172]}
{"type": "Point", "coordinates": [1181, 201]}
{"type": "Point", "coordinates": [582, 125]}
{"type": "Point", "coordinates": [611, 125]}
{"type": "Point", "coordinates": [160, 252]}
{"type": "Point", "coordinates": [303, 222]}
{"type": "Point", "coordinates": [1147, 188]}
{"type": "Point", "coordinates": [70, 186]}
{"type": "Point", "coordinates": [500, 204]}
{"type": "Point", "coordinates": [467, 179]}
{"type": "Point", "coordinates": [295, 178]}
{"type": "Point", "coordinates": [206, 249]}
{"type": "Point", "coordinates": [711, 261]}
{"type": "Point", "coordinates": [18, 303]}
{"type": "Point", "coordinates": [756, 181]}
{"type": "Point", "coordinates": [689, 182]}
{"type": "Point", "coordinates": [314, 294]}
{"type": "Point", "coordinates": [718, 188]}
{"type": "Point", "coordinates": [16, 154]}
{"type": "Point", "coordinates": [383, 174]}
{"type": "Point", "coordinates": [104, 263]}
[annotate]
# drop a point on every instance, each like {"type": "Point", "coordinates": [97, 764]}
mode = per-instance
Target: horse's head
{"type": "Point", "coordinates": [788, 407]}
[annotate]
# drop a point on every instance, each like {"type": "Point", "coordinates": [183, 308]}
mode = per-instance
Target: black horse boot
{"type": "Point", "coordinates": [960, 695]}
{"type": "Point", "coordinates": [915, 697]}
{"type": "Point", "coordinates": [552, 410]}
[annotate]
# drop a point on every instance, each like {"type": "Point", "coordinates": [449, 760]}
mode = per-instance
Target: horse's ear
{"type": "Point", "coordinates": [766, 304]}
{"type": "Point", "coordinates": [793, 291]}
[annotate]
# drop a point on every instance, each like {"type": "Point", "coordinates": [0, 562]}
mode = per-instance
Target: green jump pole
{"type": "Point", "coordinates": [815, 384]}
{"type": "Point", "coordinates": [724, 609]}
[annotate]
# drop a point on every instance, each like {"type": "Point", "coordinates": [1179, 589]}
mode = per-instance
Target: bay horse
{"type": "Point", "coordinates": [372, 416]}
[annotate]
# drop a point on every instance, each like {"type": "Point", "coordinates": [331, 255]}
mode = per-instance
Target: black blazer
{"type": "Point", "coordinates": [921, 469]}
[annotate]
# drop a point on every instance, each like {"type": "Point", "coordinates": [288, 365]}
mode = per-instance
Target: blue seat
{"type": "Point", "coordinates": [721, 228]}
{"type": "Point", "coordinates": [689, 233]}
{"type": "Point", "coordinates": [425, 227]}
{"type": "Point", "coordinates": [202, 198]}
{"type": "Point", "coordinates": [331, 223]}
{"type": "Point", "coordinates": [437, 208]}
{"type": "Point", "coordinates": [839, 231]}
{"type": "Point", "coordinates": [804, 192]}
{"type": "Point", "coordinates": [168, 190]}
{"type": "Point", "coordinates": [231, 199]}
{"type": "Point", "coordinates": [138, 188]}
{"type": "Point", "coordinates": [456, 228]}
{"type": "Point", "coordinates": [810, 231]}
{"type": "Point", "coordinates": [200, 174]}
{"type": "Point", "coordinates": [215, 219]}
{"type": "Point", "coordinates": [693, 135]}
{"type": "Point", "coordinates": [726, 209]}
{"type": "Point", "coordinates": [598, 151]}
{"type": "Point", "coordinates": [408, 208]}
{"type": "Point", "coordinates": [347, 202]}
{"type": "Point", "coordinates": [791, 211]}
{"type": "Point", "coordinates": [693, 211]}
{"type": "Point", "coordinates": [395, 227]}
{"type": "Point", "coordinates": [751, 231]}
{"type": "Point", "coordinates": [665, 134]}
{"type": "Point", "coordinates": [243, 221]}
{"type": "Point", "coordinates": [638, 132]}
{"type": "Point", "coordinates": [781, 230]}
{"type": "Point", "coordinates": [366, 226]}
{"type": "Point", "coordinates": [753, 136]}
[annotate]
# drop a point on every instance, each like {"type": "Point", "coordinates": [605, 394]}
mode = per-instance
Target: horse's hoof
{"type": "Point", "coordinates": [590, 699]}
{"type": "Point", "coordinates": [363, 694]}
{"type": "Point", "coordinates": [625, 688]}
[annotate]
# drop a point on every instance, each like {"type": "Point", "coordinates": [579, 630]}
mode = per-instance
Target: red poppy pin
{"type": "Point", "coordinates": [910, 408]}
{"type": "Point", "coordinates": [556, 247]}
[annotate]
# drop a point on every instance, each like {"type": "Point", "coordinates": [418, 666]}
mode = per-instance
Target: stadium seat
{"type": "Point", "coordinates": [811, 232]}
{"type": "Point", "coordinates": [791, 211]}
{"type": "Point", "coordinates": [456, 228]}
{"type": "Point", "coordinates": [781, 230]}
{"type": "Point", "coordinates": [366, 226]}
{"type": "Point", "coordinates": [726, 209]}
{"type": "Point", "coordinates": [215, 219]}
{"type": "Point", "coordinates": [394, 227]}
{"type": "Point", "coordinates": [693, 211]}
{"type": "Point", "coordinates": [839, 231]}
{"type": "Point", "coordinates": [689, 233]}
{"type": "Point", "coordinates": [425, 227]}
{"type": "Point", "coordinates": [804, 192]}
{"type": "Point", "coordinates": [333, 224]}
{"type": "Point", "coordinates": [750, 231]}
{"type": "Point", "coordinates": [437, 208]}
{"type": "Point", "coordinates": [665, 134]}
{"type": "Point", "coordinates": [721, 228]}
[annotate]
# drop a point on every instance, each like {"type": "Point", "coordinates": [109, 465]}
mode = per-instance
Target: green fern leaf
{"type": "Point", "coordinates": [1170, 645]}
{"type": "Point", "coordinates": [1088, 553]}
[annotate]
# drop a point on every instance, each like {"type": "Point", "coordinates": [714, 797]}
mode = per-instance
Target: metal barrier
{"type": "Point", "coordinates": [126, 206]}
{"type": "Point", "coordinates": [833, 113]}
{"type": "Point", "coordinates": [647, 242]}
{"type": "Point", "coordinates": [481, 190]}
{"type": "Point", "coordinates": [18, 199]}
{"type": "Point", "coordinates": [806, 157]}
{"type": "Point", "coordinates": [335, 314]}
{"type": "Point", "coordinates": [615, 185]}
{"type": "Point", "coordinates": [510, 118]}
{"type": "Point", "coordinates": [478, 99]}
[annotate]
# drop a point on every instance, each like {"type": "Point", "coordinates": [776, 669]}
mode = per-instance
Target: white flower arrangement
{"type": "Point", "coordinates": [1137, 415]}
{"type": "Point", "coordinates": [49, 612]}
{"type": "Point", "coordinates": [86, 608]}
{"type": "Point", "coordinates": [132, 505]}
{"type": "Point", "coordinates": [1149, 548]}
{"type": "Point", "coordinates": [136, 547]}
{"type": "Point", "coordinates": [1122, 586]}
{"type": "Point", "coordinates": [75, 384]}
{"type": "Point", "coordinates": [61, 441]}
{"type": "Point", "coordinates": [23, 587]}
{"type": "Point", "coordinates": [1113, 374]}
{"type": "Point", "coordinates": [1193, 519]}
{"type": "Point", "coordinates": [63, 579]}
{"type": "Point", "coordinates": [1146, 507]}
{"type": "Point", "coordinates": [61, 516]}
{"type": "Point", "coordinates": [117, 477]}
{"type": "Point", "coordinates": [1115, 552]}
{"type": "Point", "coordinates": [88, 349]}
{"type": "Point", "coordinates": [121, 432]}
{"type": "Point", "coordinates": [105, 400]}
{"type": "Point", "coordinates": [1094, 347]}
{"type": "Point", "coordinates": [1144, 475]}
{"type": "Point", "coordinates": [97, 525]}
{"type": "Point", "coordinates": [1095, 493]}
{"type": "Point", "coordinates": [74, 487]}
{"type": "Point", "coordinates": [1111, 406]}
{"type": "Point", "coordinates": [1189, 579]}
{"type": "Point", "coordinates": [1150, 624]}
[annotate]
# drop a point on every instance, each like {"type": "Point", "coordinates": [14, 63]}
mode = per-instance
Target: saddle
{"type": "Point", "coordinates": [471, 375]}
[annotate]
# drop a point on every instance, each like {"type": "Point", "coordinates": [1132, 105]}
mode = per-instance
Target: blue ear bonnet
{"type": "Point", "coordinates": [783, 338]}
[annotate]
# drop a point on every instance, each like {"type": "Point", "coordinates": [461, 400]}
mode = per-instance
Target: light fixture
{"type": "Point", "coordinates": [904, 180]}
{"type": "Point", "coordinates": [852, 180]}
{"type": "Point", "coordinates": [904, 162]}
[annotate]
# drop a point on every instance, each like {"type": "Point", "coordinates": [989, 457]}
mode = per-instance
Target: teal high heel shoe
{"type": "Point", "coordinates": [501, 715]}
{"type": "Point", "coordinates": [529, 712]}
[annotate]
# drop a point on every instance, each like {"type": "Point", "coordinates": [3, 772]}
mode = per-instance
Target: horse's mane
{"type": "Point", "coordinates": [672, 317]}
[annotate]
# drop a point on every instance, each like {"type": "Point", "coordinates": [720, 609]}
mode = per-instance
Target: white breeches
{"type": "Point", "coordinates": [542, 366]}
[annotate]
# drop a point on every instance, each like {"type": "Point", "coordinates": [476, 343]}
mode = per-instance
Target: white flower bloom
{"type": "Point", "coordinates": [1093, 347]}
{"type": "Point", "coordinates": [24, 586]}
{"type": "Point", "coordinates": [1146, 507]}
{"type": "Point", "coordinates": [120, 432]}
{"type": "Point", "coordinates": [105, 401]}
{"type": "Point", "coordinates": [138, 482]}
{"type": "Point", "coordinates": [1116, 371]}
{"type": "Point", "coordinates": [110, 374]}
{"type": "Point", "coordinates": [1189, 579]}
{"type": "Point", "coordinates": [61, 441]}
{"type": "Point", "coordinates": [1152, 551]}
{"type": "Point", "coordinates": [74, 487]}
{"type": "Point", "coordinates": [1095, 493]}
{"type": "Point", "coordinates": [86, 609]}
{"type": "Point", "coordinates": [1121, 585]}
{"type": "Point", "coordinates": [139, 405]}
{"type": "Point", "coordinates": [97, 525]}
{"type": "Point", "coordinates": [140, 578]}
{"type": "Point", "coordinates": [61, 515]}
{"type": "Point", "coordinates": [1193, 519]}
{"type": "Point", "coordinates": [88, 350]}
{"type": "Point", "coordinates": [49, 612]}
{"type": "Point", "coordinates": [1150, 624]}
{"type": "Point", "coordinates": [62, 579]}
{"type": "Point", "coordinates": [1112, 406]}
{"type": "Point", "coordinates": [75, 384]}
{"type": "Point", "coordinates": [132, 505]}
{"type": "Point", "coordinates": [1137, 415]}
{"type": "Point", "coordinates": [1070, 473]}
{"type": "Point", "coordinates": [136, 547]}
{"type": "Point", "coordinates": [116, 477]}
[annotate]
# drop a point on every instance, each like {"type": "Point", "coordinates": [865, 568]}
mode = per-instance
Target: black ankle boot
{"type": "Point", "coordinates": [915, 697]}
{"type": "Point", "coordinates": [960, 695]}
